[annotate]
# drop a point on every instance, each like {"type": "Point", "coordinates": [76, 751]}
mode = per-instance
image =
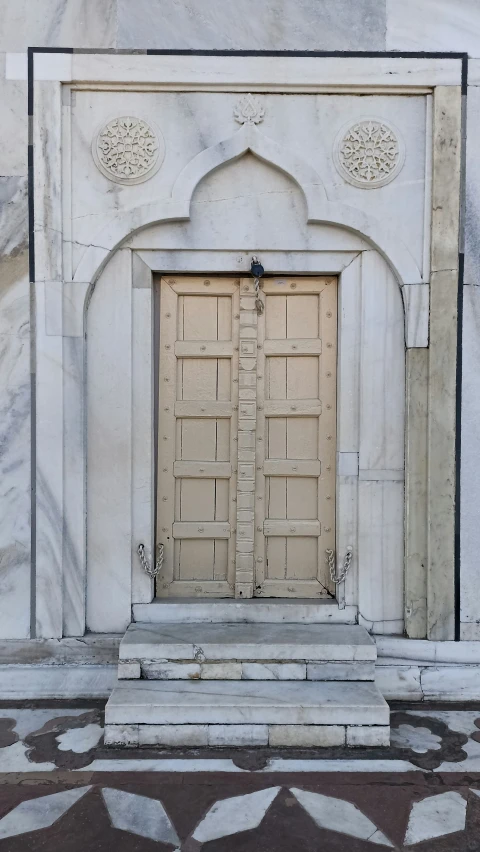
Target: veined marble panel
{"type": "Point", "coordinates": [143, 394]}
{"type": "Point", "coordinates": [54, 23]}
{"type": "Point", "coordinates": [470, 530]}
{"type": "Point", "coordinates": [382, 388]}
{"type": "Point", "coordinates": [13, 131]}
{"type": "Point", "coordinates": [469, 527]}
{"type": "Point", "coordinates": [48, 174]}
{"type": "Point", "coordinates": [74, 538]}
{"type": "Point", "coordinates": [109, 447]}
{"type": "Point", "coordinates": [15, 568]}
{"type": "Point", "coordinates": [49, 472]}
{"type": "Point", "coordinates": [193, 122]}
{"type": "Point", "coordinates": [472, 189]}
{"type": "Point", "coordinates": [380, 555]}
{"type": "Point", "coordinates": [433, 25]}
{"type": "Point", "coordinates": [304, 25]}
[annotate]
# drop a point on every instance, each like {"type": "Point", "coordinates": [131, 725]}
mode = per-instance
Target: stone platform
{"type": "Point", "coordinates": [246, 684]}
{"type": "Point", "coordinates": [247, 652]}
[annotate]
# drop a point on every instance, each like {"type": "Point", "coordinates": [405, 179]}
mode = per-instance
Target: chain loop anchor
{"type": "Point", "coordinates": [257, 271]}
{"type": "Point", "coordinates": [152, 571]}
{"type": "Point", "coordinates": [331, 562]}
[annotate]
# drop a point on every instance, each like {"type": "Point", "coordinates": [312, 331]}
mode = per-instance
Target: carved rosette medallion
{"type": "Point", "coordinates": [369, 153]}
{"type": "Point", "coordinates": [128, 150]}
{"type": "Point", "coordinates": [249, 110]}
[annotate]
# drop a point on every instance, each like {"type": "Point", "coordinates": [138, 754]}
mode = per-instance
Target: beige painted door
{"type": "Point", "coordinates": [295, 448]}
{"type": "Point", "coordinates": [257, 393]}
{"type": "Point", "coordinates": [197, 436]}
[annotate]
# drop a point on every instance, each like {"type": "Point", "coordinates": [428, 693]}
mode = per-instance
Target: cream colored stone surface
{"type": "Point", "coordinates": [416, 493]}
{"type": "Point", "coordinates": [442, 361]}
{"type": "Point", "coordinates": [440, 576]}
{"type": "Point", "coordinates": [311, 736]}
{"type": "Point", "coordinates": [376, 735]}
{"type": "Point", "coordinates": [447, 107]}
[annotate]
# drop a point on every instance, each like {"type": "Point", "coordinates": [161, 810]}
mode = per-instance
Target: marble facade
{"type": "Point", "coordinates": [191, 122]}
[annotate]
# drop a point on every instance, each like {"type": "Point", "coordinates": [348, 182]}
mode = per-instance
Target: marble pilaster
{"type": "Point", "coordinates": [15, 570]}
{"type": "Point", "coordinates": [442, 361]}
{"type": "Point", "coordinates": [470, 460]}
{"type": "Point", "coordinates": [416, 493]}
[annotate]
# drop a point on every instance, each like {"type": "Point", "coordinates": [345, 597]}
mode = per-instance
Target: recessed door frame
{"type": "Point", "coordinates": [363, 587]}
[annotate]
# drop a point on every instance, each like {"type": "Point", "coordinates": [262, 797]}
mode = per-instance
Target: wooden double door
{"type": "Point", "coordinates": [246, 436]}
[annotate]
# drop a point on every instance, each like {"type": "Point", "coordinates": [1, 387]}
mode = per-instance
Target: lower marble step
{"type": "Point", "coordinates": [299, 736]}
{"type": "Point", "coordinates": [245, 712]}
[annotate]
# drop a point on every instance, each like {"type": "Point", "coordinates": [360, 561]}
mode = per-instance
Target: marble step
{"type": "Point", "coordinates": [275, 611]}
{"type": "Point", "coordinates": [186, 713]}
{"type": "Point", "coordinates": [247, 652]}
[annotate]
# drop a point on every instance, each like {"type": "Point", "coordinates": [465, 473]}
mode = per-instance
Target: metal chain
{"type": "Point", "coordinates": [347, 561]}
{"type": "Point", "coordinates": [151, 571]}
{"type": "Point", "coordinates": [259, 306]}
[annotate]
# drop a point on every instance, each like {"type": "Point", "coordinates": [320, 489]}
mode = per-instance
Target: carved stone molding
{"type": "Point", "coordinates": [128, 150]}
{"type": "Point", "coordinates": [249, 110]}
{"type": "Point", "coordinates": [369, 153]}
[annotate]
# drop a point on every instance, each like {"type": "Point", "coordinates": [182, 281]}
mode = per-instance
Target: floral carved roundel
{"type": "Point", "coordinates": [128, 150]}
{"type": "Point", "coordinates": [369, 153]}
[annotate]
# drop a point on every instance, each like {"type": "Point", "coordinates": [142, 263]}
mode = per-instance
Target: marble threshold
{"type": "Point", "coordinates": [256, 610]}
{"type": "Point", "coordinates": [240, 641]}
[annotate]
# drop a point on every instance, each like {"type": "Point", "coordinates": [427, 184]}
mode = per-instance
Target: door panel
{"type": "Point", "coordinates": [197, 431]}
{"type": "Point", "coordinates": [295, 458]}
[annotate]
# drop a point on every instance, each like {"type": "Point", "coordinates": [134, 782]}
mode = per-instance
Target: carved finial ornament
{"type": "Point", "coordinates": [369, 153]}
{"type": "Point", "coordinates": [249, 110]}
{"type": "Point", "coordinates": [128, 150]}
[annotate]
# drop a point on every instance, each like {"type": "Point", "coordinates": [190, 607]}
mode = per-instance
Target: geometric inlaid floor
{"type": "Point", "coordinates": [60, 789]}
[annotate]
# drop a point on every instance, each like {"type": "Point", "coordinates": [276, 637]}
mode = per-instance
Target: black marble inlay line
{"type": "Point", "coordinates": [33, 389]}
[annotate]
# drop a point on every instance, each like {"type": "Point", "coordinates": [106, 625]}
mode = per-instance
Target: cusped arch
{"type": "Point", "coordinates": [248, 139]}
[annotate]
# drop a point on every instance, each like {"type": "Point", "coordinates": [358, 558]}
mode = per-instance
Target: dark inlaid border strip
{"type": "Point", "coordinates": [33, 389]}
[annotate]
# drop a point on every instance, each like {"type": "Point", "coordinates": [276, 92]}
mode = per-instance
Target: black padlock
{"type": "Point", "coordinates": [256, 267]}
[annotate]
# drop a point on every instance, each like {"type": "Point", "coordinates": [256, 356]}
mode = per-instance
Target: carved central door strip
{"type": "Point", "coordinates": [246, 441]}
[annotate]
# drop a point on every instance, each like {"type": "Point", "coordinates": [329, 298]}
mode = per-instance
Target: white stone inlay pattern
{"type": "Point", "coordinates": [339, 815]}
{"type": "Point", "coordinates": [436, 816]}
{"type": "Point", "coordinates": [80, 740]}
{"type": "Point", "coordinates": [128, 150]}
{"type": "Point", "coordinates": [139, 815]}
{"type": "Point", "coordinates": [249, 110]}
{"type": "Point", "coordinates": [230, 816]}
{"type": "Point", "coordinates": [35, 814]}
{"type": "Point", "coordinates": [420, 740]}
{"type": "Point", "coordinates": [369, 153]}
